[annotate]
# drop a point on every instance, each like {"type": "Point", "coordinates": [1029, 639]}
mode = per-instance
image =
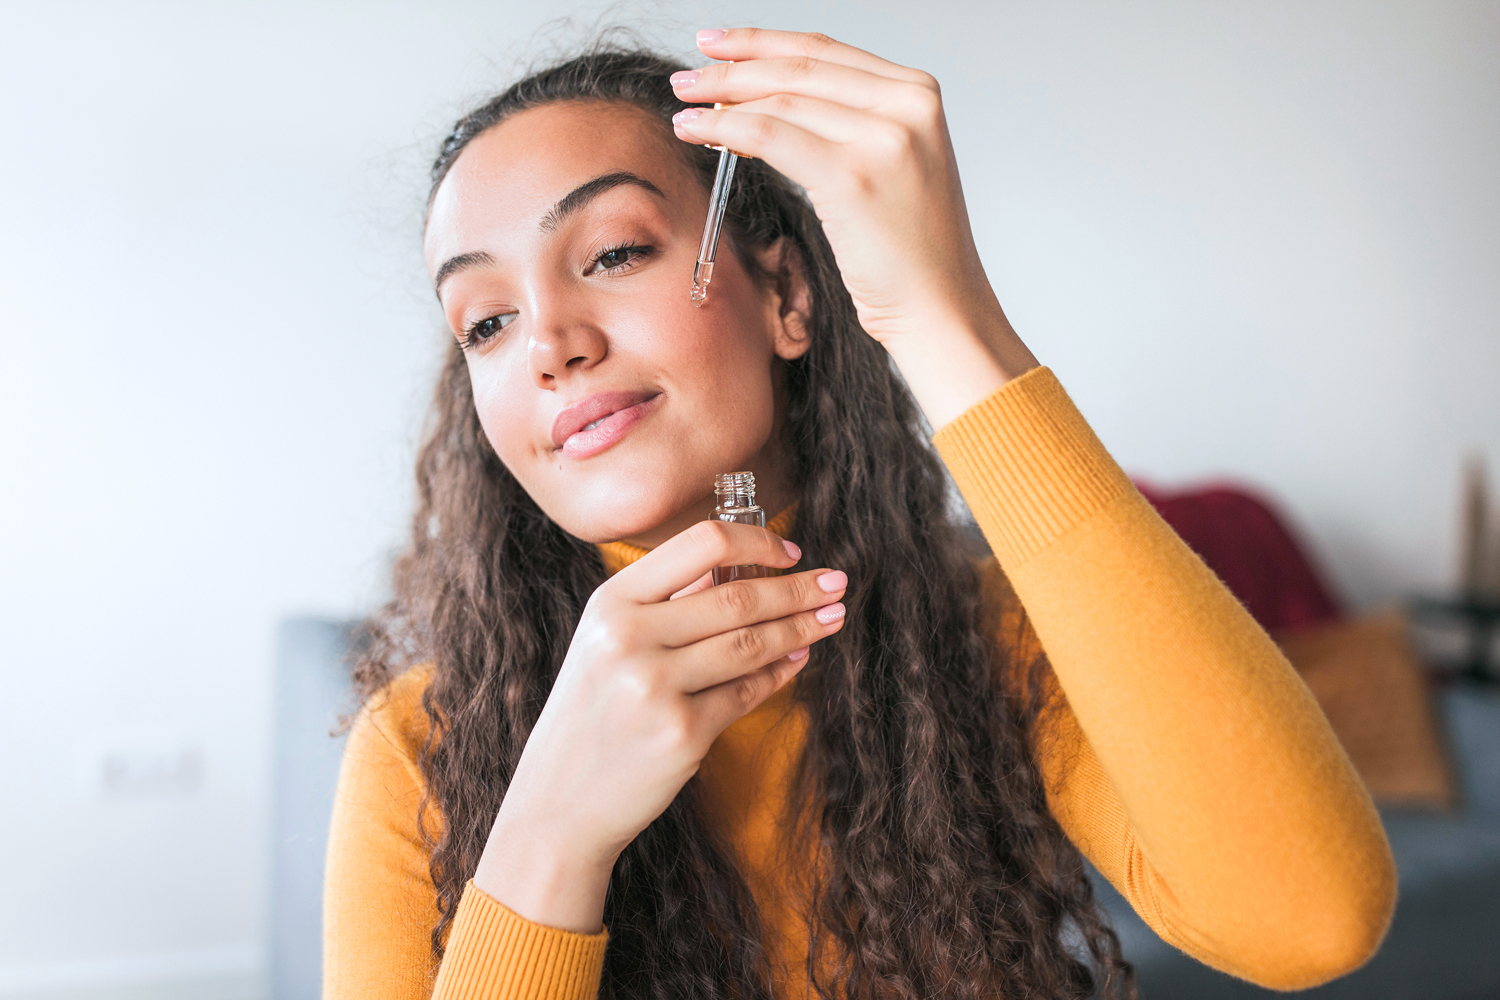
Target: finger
{"type": "Point", "coordinates": [762, 43]}
{"type": "Point", "coordinates": [828, 120]}
{"type": "Point", "coordinates": [804, 157]}
{"type": "Point", "coordinates": [682, 559]}
{"type": "Point", "coordinates": [747, 81]}
{"type": "Point", "coordinates": [702, 583]}
{"type": "Point", "coordinates": [744, 602]}
{"type": "Point", "coordinates": [728, 655]}
{"type": "Point", "coordinates": [721, 706]}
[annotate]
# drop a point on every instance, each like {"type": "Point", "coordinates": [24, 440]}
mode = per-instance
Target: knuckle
{"type": "Point", "coordinates": [797, 67]}
{"type": "Point", "coordinates": [749, 644]}
{"type": "Point", "coordinates": [623, 635]}
{"type": "Point", "coordinates": [926, 103]}
{"type": "Point", "coordinates": [710, 537]}
{"type": "Point", "coordinates": [807, 628]}
{"type": "Point", "coordinates": [678, 732]}
{"type": "Point", "coordinates": [783, 104]}
{"type": "Point", "coordinates": [897, 140]}
{"type": "Point", "coordinates": [634, 683]}
{"type": "Point", "coordinates": [764, 130]}
{"type": "Point", "coordinates": [889, 143]}
{"type": "Point", "coordinates": [747, 691]}
{"type": "Point", "coordinates": [816, 41]}
{"type": "Point", "coordinates": [736, 599]}
{"type": "Point", "coordinates": [610, 643]}
{"type": "Point", "coordinates": [808, 592]}
{"type": "Point", "coordinates": [800, 589]}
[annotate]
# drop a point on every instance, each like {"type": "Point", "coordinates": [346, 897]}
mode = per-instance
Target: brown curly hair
{"type": "Point", "coordinates": [940, 870]}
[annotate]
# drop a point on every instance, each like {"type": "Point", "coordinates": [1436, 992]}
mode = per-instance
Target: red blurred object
{"type": "Point", "coordinates": [1248, 546]}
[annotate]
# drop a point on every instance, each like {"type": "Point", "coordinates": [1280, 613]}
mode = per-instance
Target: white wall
{"type": "Point", "coordinates": [1257, 240]}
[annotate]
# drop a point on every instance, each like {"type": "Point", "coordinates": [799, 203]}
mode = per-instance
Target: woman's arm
{"type": "Point", "coordinates": [372, 948]}
{"type": "Point", "coordinates": [379, 905]}
{"type": "Point", "coordinates": [1186, 759]}
{"type": "Point", "coordinates": [1227, 810]}
{"type": "Point", "coordinates": [659, 665]}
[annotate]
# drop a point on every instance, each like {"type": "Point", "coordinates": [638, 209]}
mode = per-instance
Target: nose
{"type": "Point", "coordinates": [561, 347]}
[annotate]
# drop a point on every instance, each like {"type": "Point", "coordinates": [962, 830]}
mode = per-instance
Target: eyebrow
{"type": "Point", "coordinates": [586, 192]}
{"type": "Point", "coordinates": [573, 201]}
{"type": "Point", "coordinates": [464, 261]}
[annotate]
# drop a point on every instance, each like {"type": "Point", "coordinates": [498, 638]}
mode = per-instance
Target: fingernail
{"type": "Point", "coordinates": [710, 35]}
{"type": "Point", "coordinates": [830, 614]}
{"type": "Point", "coordinates": [797, 654]}
{"type": "Point", "coordinates": [837, 580]}
{"type": "Point", "coordinates": [687, 116]}
{"type": "Point", "coordinates": [791, 549]}
{"type": "Point", "coordinates": [685, 77]}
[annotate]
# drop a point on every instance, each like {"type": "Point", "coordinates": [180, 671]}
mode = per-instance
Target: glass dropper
{"type": "Point", "coordinates": [708, 249]}
{"type": "Point", "coordinates": [718, 202]}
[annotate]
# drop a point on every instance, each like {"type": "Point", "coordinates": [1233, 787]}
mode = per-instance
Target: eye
{"type": "Point", "coordinates": [481, 330]}
{"type": "Point", "coordinates": [619, 258]}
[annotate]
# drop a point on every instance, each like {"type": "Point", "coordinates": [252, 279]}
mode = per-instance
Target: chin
{"type": "Point", "coordinates": [612, 529]}
{"type": "Point", "coordinates": [621, 508]}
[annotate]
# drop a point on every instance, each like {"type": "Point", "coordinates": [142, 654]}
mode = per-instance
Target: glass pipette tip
{"type": "Point", "coordinates": [708, 249]}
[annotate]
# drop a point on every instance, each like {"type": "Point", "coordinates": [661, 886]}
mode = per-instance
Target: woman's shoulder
{"type": "Point", "coordinates": [392, 727]}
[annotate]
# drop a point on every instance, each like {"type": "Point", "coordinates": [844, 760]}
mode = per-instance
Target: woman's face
{"type": "Point", "coordinates": [562, 245]}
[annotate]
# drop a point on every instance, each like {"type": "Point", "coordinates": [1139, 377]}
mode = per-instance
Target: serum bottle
{"type": "Point", "coordinates": [736, 503]}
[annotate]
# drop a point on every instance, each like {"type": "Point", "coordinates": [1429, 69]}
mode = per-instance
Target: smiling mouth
{"type": "Point", "coordinates": [609, 428]}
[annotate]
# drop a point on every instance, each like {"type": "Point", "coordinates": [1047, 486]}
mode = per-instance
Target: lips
{"type": "Point", "coordinates": [593, 424]}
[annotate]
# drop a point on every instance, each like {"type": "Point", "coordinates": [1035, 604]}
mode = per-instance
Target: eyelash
{"type": "Point", "coordinates": [634, 251]}
{"type": "Point", "coordinates": [468, 340]}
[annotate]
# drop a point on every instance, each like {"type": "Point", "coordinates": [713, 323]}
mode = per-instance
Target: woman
{"type": "Point", "coordinates": [580, 770]}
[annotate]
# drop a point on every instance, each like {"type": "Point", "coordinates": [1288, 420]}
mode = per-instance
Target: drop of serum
{"type": "Point", "coordinates": [703, 273]}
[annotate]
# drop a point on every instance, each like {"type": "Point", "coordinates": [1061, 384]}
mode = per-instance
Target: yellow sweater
{"type": "Point", "coordinates": [1187, 761]}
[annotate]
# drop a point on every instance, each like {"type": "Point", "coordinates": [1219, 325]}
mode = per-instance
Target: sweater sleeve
{"type": "Point", "coordinates": [1189, 762]}
{"type": "Point", "coordinates": [379, 904]}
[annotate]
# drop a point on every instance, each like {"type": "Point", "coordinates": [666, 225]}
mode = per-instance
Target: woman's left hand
{"type": "Point", "coordinates": [868, 141]}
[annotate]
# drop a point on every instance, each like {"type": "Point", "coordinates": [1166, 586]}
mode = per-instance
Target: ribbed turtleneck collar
{"type": "Point", "coordinates": [618, 555]}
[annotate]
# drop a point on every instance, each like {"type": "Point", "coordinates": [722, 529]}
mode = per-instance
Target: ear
{"type": "Point", "coordinates": [782, 264]}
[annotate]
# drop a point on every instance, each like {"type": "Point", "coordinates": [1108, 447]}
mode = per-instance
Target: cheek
{"type": "Point", "coordinates": [504, 410]}
{"type": "Point", "coordinates": [730, 378]}
{"type": "Point", "coordinates": [718, 370]}
{"type": "Point", "coordinates": [731, 332]}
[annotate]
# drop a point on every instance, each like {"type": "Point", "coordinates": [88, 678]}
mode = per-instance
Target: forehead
{"type": "Point", "coordinates": [507, 179]}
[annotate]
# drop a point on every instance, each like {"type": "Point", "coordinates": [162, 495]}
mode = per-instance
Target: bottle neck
{"type": "Point", "coordinates": [736, 501]}
{"type": "Point", "coordinates": [735, 491]}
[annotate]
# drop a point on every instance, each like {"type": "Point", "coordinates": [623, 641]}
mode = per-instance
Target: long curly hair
{"type": "Point", "coordinates": [940, 871]}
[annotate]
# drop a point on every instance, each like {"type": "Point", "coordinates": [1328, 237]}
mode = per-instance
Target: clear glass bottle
{"type": "Point", "coordinates": [736, 503]}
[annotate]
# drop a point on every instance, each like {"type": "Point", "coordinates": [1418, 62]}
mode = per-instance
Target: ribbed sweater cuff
{"type": "Point", "coordinates": [1029, 465]}
{"type": "Point", "coordinates": [494, 953]}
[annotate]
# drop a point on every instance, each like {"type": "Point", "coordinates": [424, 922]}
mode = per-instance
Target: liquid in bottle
{"type": "Point", "coordinates": [736, 503]}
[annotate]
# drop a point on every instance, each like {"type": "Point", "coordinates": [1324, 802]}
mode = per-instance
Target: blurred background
{"type": "Point", "coordinates": [1258, 241]}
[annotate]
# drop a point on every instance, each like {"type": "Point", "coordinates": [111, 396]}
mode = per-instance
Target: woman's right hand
{"type": "Point", "coordinates": [648, 684]}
